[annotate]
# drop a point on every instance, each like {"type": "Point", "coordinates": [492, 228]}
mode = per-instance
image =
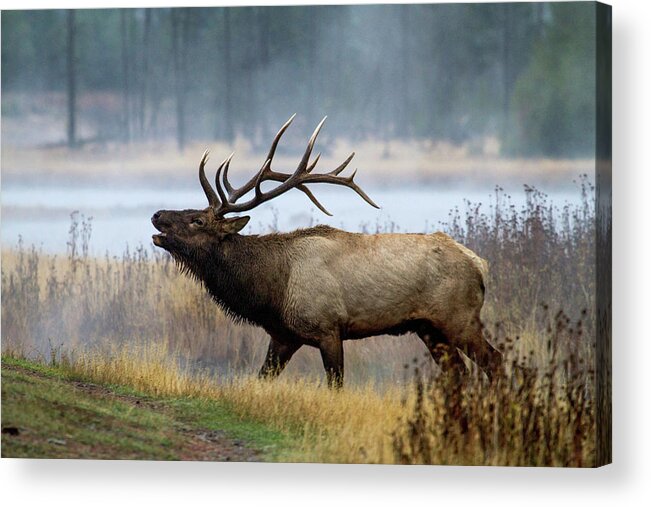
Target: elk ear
{"type": "Point", "coordinates": [234, 225]}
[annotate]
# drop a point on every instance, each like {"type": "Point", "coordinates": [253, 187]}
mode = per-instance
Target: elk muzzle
{"type": "Point", "coordinates": [160, 222]}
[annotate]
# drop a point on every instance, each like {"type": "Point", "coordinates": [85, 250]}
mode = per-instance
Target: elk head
{"type": "Point", "coordinates": [186, 233]}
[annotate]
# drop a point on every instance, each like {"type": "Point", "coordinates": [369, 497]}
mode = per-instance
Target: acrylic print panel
{"type": "Point", "coordinates": [462, 277]}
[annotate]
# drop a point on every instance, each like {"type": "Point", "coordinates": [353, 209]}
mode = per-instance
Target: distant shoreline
{"type": "Point", "coordinates": [159, 166]}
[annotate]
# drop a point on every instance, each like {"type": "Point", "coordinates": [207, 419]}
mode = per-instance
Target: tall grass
{"type": "Point", "coordinates": [531, 415]}
{"type": "Point", "coordinates": [135, 320]}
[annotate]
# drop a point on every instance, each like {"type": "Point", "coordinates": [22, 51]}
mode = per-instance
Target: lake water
{"type": "Point", "coordinates": [121, 216]}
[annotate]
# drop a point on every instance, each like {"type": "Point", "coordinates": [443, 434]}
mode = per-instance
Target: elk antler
{"type": "Point", "coordinates": [302, 176]}
{"type": "Point", "coordinates": [213, 200]}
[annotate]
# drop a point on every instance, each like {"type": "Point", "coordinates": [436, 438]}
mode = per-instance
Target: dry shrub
{"type": "Point", "coordinates": [539, 253]}
{"type": "Point", "coordinates": [530, 415]}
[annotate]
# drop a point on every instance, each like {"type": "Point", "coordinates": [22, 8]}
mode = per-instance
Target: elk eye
{"type": "Point", "coordinates": [198, 221]}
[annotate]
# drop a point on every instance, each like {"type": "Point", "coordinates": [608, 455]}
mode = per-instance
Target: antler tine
{"type": "Point", "coordinates": [235, 193]}
{"type": "Point", "coordinates": [313, 164]}
{"type": "Point", "coordinates": [274, 143]}
{"type": "Point", "coordinates": [213, 200]}
{"type": "Point", "coordinates": [343, 165]}
{"type": "Point", "coordinates": [227, 185]}
{"type": "Point", "coordinates": [302, 166]}
{"type": "Point", "coordinates": [314, 200]}
{"type": "Point", "coordinates": [360, 192]}
{"type": "Point", "coordinates": [224, 165]}
{"type": "Point", "coordinates": [340, 180]}
{"type": "Point", "coordinates": [258, 180]}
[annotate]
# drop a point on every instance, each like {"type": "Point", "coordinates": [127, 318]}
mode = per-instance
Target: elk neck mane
{"type": "Point", "coordinates": [246, 275]}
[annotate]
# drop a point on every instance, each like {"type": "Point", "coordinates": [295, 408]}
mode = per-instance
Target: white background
{"type": "Point", "coordinates": [626, 482]}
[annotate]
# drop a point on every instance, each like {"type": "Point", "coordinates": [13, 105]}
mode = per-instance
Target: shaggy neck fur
{"type": "Point", "coordinates": [246, 275]}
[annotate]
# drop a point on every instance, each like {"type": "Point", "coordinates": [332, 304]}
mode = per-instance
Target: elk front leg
{"type": "Point", "coordinates": [332, 354]}
{"type": "Point", "coordinates": [278, 355]}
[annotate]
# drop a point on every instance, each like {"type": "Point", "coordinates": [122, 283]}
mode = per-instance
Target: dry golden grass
{"type": "Point", "coordinates": [149, 368]}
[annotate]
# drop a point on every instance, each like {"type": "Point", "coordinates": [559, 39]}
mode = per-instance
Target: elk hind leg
{"type": "Point", "coordinates": [480, 351]}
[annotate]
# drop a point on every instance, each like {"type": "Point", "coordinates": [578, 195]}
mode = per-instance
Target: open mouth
{"type": "Point", "coordinates": [161, 236]}
{"type": "Point", "coordinates": [158, 238]}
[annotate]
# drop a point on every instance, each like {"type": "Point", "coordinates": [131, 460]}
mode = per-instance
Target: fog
{"type": "Point", "coordinates": [107, 111]}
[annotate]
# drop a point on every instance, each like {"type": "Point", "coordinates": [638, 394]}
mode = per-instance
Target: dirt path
{"type": "Point", "coordinates": [43, 416]}
{"type": "Point", "coordinates": [198, 444]}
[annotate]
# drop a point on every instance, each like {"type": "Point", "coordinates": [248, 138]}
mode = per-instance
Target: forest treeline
{"type": "Point", "coordinates": [521, 72]}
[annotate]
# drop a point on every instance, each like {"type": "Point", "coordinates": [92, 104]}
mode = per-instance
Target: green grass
{"type": "Point", "coordinates": [217, 416]}
{"type": "Point", "coordinates": [58, 415]}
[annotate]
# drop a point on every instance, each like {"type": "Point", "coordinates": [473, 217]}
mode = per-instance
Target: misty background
{"type": "Point", "coordinates": [107, 111]}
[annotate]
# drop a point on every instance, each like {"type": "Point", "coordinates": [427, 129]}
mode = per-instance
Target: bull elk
{"type": "Point", "coordinates": [320, 286]}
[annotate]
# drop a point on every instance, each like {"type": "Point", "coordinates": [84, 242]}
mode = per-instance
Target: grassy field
{"type": "Point", "coordinates": [135, 322]}
{"type": "Point", "coordinates": [53, 412]}
{"type": "Point", "coordinates": [146, 406]}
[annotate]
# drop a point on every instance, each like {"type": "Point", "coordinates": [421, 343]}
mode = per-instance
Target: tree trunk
{"type": "Point", "coordinates": [178, 54]}
{"type": "Point", "coordinates": [249, 59]}
{"type": "Point", "coordinates": [228, 130]}
{"type": "Point", "coordinates": [310, 66]}
{"type": "Point", "coordinates": [404, 130]}
{"type": "Point", "coordinates": [72, 80]}
{"type": "Point", "coordinates": [126, 117]}
{"type": "Point", "coordinates": [144, 82]}
{"type": "Point", "coordinates": [506, 70]}
{"type": "Point", "coordinates": [264, 41]}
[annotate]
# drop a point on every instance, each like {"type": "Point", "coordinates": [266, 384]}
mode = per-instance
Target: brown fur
{"type": "Point", "coordinates": [320, 286]}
